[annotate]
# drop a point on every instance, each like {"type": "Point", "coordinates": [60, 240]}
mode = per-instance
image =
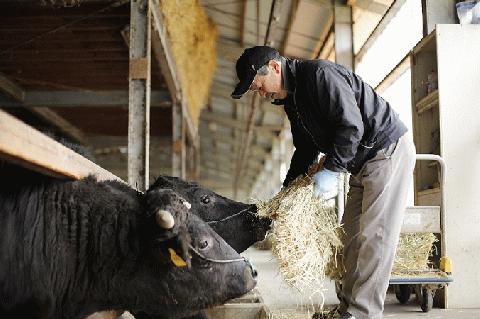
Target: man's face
{"type": "Point", "coordinates": [270, 86]}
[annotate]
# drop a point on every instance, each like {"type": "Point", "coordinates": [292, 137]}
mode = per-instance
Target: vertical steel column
{"type": "Point", "coordinates": [139, 95]}
{"type": "Point", "coordinates": [343, 26]}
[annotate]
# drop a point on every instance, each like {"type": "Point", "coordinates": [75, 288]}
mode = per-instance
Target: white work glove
{"type": "Point", "coordinates": [325, 182]}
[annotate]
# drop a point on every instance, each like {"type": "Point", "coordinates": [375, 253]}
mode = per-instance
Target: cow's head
{"type": "Point", "coordinates": [195, 268]}
{"type": "Point", "coordinates": [237, 223]}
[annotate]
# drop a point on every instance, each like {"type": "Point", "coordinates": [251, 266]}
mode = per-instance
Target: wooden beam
{"type": "Point", "coordinates": [55, 99]}
{"type": "Point", "coordinates": [323, 38]}
{"type": "Point", "coordinates": [293, 15]}
{"type": "Point", "coordinates": [230, 122]}
{"type": "Point", "coordinates": [178, 142]}
{"type": "Point", "coordinates": [11, 88]}
{"type": "Point", "coordinates": [257, 150]}
{"type": "Point", "coordinates": [139, 94]}
{"type": "Point", "coordinates": [370, 6]}
{"type": "Point", "coordinates": [391, 77]}
{"type": "Point", "coordinates": [228, 50]}
{"type": "Point", "coordinates": [65, 126]}
{"type": "Point", "coordinates": [343, 21]}
{"type": "Point", "coordinates": [382, 24]}
{"type": "Point", "coordinates": [242, 23]}
{"type": "Point", "coordinates": [24, 145]}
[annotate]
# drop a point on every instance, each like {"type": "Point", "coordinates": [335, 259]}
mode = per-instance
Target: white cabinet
{"type": "Point", "coordinates": [446, 121]}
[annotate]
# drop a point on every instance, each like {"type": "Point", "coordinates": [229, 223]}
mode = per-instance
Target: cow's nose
{"type": "Point", "coordinates": [252, 268]}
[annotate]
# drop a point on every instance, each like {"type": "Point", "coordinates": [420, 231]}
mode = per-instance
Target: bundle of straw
{"type": "Point", "coordinates": [306, 234]}
{"type": "Point", "coordinates": [413, 253]}
{"type": "Point", "coordinates": [307, 239]}
{"type": "Point", "coordinates": [193, 37]}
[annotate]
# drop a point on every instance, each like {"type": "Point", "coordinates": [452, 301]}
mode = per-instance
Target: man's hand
{"type": "Point", "coordinates": [325, 181]}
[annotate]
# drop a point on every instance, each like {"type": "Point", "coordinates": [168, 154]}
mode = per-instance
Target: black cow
{"type": "Point", "coordinates": [238, 223]}
{"type": "Point", "coordinates": [69, 249]}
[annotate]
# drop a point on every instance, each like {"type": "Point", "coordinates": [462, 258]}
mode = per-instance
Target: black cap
{"type": "Point", "coordinates": [251, 60]}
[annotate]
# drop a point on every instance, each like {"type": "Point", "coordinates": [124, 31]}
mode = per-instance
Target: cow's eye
{"type": "Point", "coordinates": [203, 244]}
{"type": "Point", "coordinates": [205, 199]}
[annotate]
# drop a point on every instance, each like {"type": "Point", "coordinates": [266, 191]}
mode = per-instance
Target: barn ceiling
{"type": "Point", "coordinates": [80, 53]}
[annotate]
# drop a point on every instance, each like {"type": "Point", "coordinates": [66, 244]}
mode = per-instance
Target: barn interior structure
{"type": "Point", "coordinates": [134, 89]}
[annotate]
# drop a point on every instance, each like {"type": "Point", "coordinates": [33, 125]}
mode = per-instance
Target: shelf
{"type": "Point", "coordinates": [429, 191]}
{"type": "Point", "coordinates": [427, 102]}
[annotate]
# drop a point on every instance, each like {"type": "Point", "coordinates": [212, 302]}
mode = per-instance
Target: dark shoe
{"type": "Point", "coordinates": [332, 314]}
{"type": "Point", "coordinates": [347, 315]}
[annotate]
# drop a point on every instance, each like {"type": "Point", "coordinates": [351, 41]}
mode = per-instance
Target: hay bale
{"type": "Point", "coordinates": [193, 37]}
{"type": "Point", "coordinates": [413, 253]}
{"type": "Point", "coordinates": [306, 234]}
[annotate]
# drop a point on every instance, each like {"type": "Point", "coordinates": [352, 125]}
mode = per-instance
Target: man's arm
{"type": "Point", "coordinates": [304, 155]}
{"type": "Point", "coordinates": [336, 95]}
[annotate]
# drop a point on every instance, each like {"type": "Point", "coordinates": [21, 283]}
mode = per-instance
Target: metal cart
{"type": "Point", "coordinates": [425, 219]}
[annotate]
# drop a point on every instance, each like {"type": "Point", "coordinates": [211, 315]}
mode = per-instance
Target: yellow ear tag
{"type": "Point", "coordinates": [176, 260]}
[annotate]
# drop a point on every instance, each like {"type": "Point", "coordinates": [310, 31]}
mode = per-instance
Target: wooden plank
{"type": "Point", "coordinates": [28, 147]}
{"type": "Point", "coordinates": [242, 126]}
{"type": "Point", "coordinates": [427, 102]}
{"type": "Point", "coordinates": [58, 121]}
{"type": "Point", "coordinates": [139, 97]}
{"type": "Point", "coordinates": [291, 19]}
{"type": "Point", "coordinates": [421, 219]}
{"type": "Point", "coordinates": [11, 88]}
{"type": "Point", "coordinates": [178, 141]}
{"type": "Point", "coordinates": [394, 74]}
{"type": "Point", "coordinates": [59, 99]}
{"type": "Point", "coordinates": [343, 27]}
{"type": "Point", "coordinates": [389, 15]}
{"type": "Point", "coordinates": [323, 38]}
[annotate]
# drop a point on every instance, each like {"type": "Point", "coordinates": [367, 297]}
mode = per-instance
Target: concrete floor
{"type": "Point", "coordinates": [279, 298]}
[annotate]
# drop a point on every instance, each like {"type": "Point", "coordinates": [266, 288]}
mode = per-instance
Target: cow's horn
{"type": "Point", "coordinates": [164, 219]}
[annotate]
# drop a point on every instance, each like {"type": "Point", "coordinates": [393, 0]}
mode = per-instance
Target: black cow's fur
{"type": "Point", "coordinates": [238, 223]}
{"type": "Point", "coordinates": [69, 249]}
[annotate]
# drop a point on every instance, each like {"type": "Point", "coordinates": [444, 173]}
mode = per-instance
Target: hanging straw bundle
{"type": "Point", "coordinates": [306, 234]}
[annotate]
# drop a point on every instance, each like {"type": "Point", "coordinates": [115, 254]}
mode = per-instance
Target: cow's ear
{"type": "Point", "coordinates": [173, 234]}
{"type": "Point", "coordinates": [163, 181]}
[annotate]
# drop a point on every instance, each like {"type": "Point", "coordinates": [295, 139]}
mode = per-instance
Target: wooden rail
{"type": "Point", "coordinates": [25, 146]}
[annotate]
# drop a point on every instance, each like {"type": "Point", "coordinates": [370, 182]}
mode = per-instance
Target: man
{"type": "Point", "coordinates": [331, 110]}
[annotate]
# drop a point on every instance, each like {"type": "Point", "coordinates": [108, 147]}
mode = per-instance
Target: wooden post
{"type": "Point", "coordinates": [139, 95]}
{"type": "Point", "coordinates": [343, 23]}
{"type": "Point", "coordinates": [178, 139]}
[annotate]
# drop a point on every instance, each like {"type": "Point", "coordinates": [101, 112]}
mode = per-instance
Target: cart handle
{"type": "Point", "coordinates": [443, 170]}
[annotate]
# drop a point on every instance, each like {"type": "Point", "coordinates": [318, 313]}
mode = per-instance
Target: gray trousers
{"type": "Point", "coordinates": [372, 221]}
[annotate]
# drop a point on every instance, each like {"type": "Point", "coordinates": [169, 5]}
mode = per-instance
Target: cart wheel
{"type": "Point", "coordinates": [427, 300]}
{"type": "Point", "coordinates": [403, 292]}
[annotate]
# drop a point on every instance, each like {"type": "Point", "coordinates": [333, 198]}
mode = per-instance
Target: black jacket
{"type": "Point", "coordinates": [331, 110]}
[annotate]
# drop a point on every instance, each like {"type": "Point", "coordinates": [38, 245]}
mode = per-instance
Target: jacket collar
{"type": "Point", "coordinates": [288, 76]}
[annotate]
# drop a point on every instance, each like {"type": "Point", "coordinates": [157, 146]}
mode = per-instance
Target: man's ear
{"type": "Point", "coordinates": [275, 65]}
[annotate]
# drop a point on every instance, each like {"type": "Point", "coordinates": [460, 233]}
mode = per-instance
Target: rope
{"type": "Point", "coordinates": [221, 261]}
{"type": "Point", "coordinates": [230, 217]}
